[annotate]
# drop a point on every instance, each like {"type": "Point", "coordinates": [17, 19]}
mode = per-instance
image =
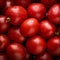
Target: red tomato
{"type": "Point", "coordinates": [16, 52]}
{"type": "Point", "coordinates": [54, 14]}
{"type": "Point", "coordinates": [47, 29]}
{"type": "Point", "coordinates": [53, 46]}
{"type": "Point", "coordinates": [4, 25]}
{"type": "Point", "coordinates": [4, 42]}
{"type": "Point", "coordinates": [37, 10]}
{"type": "Point", "coordinates": [36, 45]}
{"type": "Point", "coordinates": [45, 56]}
{"type": "Point", "coordinates": [29, 27]}
{"type": "Point", "coordinates": [15, 35]}
{"type": "Point", "coordinates": [17, 14]}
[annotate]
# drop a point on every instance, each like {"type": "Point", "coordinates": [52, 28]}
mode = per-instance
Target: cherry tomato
{"type": "Point", "coordinates": [36, 45]}
{"type": "Point", "coordinates": [16, 52]}
{"type": "Point", "coordinates": [48, 3]}
{"type": "Point", "coordinates": [17, 14]}
{"type": "Point", "coordinates": [4, 42]}
{"type": "Point", "coordinates": [45, 56]}
{"type": "Point", "coordinates": [47, 29]}
{"type": "Point", "coordinates": [4, 25]}
{"type": "Point", "coordinates": [15, 35]}
{"type": "Point", "coordinates": [23, 3]}
{"type": "Point", "coordinates": [29, 27]}
{"type": "Point", "coordinates": [37, 10]}
{"type": "Point", "coordinates": [53, 46]}
{"type": "Point", "coordinates": [3, 56]}
{"type": "Point", "coordinates": [54, 14]}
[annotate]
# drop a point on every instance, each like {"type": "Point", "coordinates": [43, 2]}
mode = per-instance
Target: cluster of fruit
{"type": "Point", "coordinates": [29, 30]}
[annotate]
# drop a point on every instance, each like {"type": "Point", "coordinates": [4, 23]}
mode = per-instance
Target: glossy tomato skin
{"type": "Point", "coordinates": [16, 52]}
{"type": "Point", "coordinates": [3, 56]}
{"type": "Point", "coordinates": [47, 29]}
{"type": "Point", "coordinates": [17, 14]}
{"type": "Point", "coordinates": [29, 27]}
{"type": "Point", "coordinates": [23, 3]}
{"type": "Point", "coordinates": [15, 35]}
{"type": "Point", "coordinates": [37, 11]}
{"type": "Point", "coordinates": [36, 45]}
{"type": "Point", "coordinates": [4, 42]}
{"type": "Point", "coordinates": [4, 25]}
{"type": "Point", "coordinates": [48, 3]}
{"type": "Point", "coordinates": [45, 56]}
{"type": "Point", "coordinates": [2, 3]}
{"type": "Point", "coordinates": [53, 46]}
{"type": "Point", "coordinates": [54, 14]}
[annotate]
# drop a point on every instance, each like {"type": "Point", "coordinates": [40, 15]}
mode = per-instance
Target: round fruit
{"type": "Point", "coordinates": [36, 45]}
{"type": "Point", "coordinates": [45, 56]}
{"type": "Point", "coordinates": [17, 14]}
{"type": "Point", "coordinates": [16, 52]}
{"type": "Point", "coordinates": [37, 11]}
{"type": "Point", "coordinates": [15, 35]}
{"type": "Point", "coordinates": [47, 29]}
{"type": "Point", "coordinates": [54, 14]}
{"type": "Point", "coordinates": [29, 27]}
{"type": "Point", "coordinates": [53, 46]}
{"type": "Point", "coordinates": [4, 25]}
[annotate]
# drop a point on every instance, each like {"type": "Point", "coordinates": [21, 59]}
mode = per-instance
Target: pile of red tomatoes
{"type": "Point", "coordinates": [29, 29]}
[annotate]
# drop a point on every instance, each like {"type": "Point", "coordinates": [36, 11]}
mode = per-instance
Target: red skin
{"type": "Point", "coordinates": [23, 3]}
{"type": "Point", "coordinates": [15, 35]}
{"type": "Point", "coordinates": [47, 29]}
{"type": "Point", "coordinates": [45, 56]}
{"type": "Point", "coordinates": [29, 27]}
{"type": "Point", "coordinates": [3, 56]}
{"type": "Point", "coordinates": [54, 14]}
{"type": "Point", "coordinates": [4, 42]}
{"type": "Point", "coordinates": [17, 14]}
{"type": "Point", "coordinates": [48, 3]}
{"type": "Point", "coordinates": [53, 46]}
{"type": "Point", "coordinates": [16, 52]}
{"type": "Point", "coordinates": [2, 3]}
{"type": "Point", "coordinates": [4, 25]}
{"type": "Point", "coordinates": [37, 10]}
{"type": "Point", "coordinates": [36, 45]}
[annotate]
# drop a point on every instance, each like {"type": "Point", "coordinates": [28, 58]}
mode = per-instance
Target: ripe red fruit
{"type": "Point", "coordinates": [45, 56]}
{"type": "Point", "coordinates": [4, 42]}
{"type": "Point", "coordinates": [53, 46]}
{"type": "Point", "coordinates": [37, 10]}
{"type": "Point", "coordinates": [54, 14]}
{"type": "Point", "coordinates": [47, 29]}
{"type": "Point", "coordinates": [16, 52]}
{"type": "Point", "coordinates": [36, 45]}
{"type": "Point", "coordinates": [29, 27]}
{"type": "Point", "coordinates": [48, 3]}
{"type": "Point", "coordinates": [17, 14]}
{"type": "Point", "coordinates": [23, 3]}
{"type": "Point", "coordinates": [3, 56]}
{"type": "Point", "coordinates": [4, 25]}
{"type": "Point", "coordinates": [15, 35]}
{"type": "Point", "coordinates": [2, 3]}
